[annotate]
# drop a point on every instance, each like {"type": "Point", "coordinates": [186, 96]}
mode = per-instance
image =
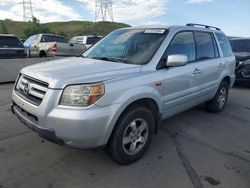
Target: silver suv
{"type": "Point", "coordinates": [118, 92]}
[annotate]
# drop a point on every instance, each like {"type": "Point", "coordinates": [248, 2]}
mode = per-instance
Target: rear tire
{"type": "Point", "coordinates": [42, 54]}
{"type": "Point", "coordinates": [217, 104]}
{"type": "Point", "coordinates": [132, 135]}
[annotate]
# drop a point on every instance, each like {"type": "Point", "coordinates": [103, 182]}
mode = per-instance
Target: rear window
{"type": "Point", "coordinates": [8, 41]}
{"type": "Point", "coordinates": [93, 40]}
{"type": "Point", "coordinates": [204, 45]}
{"type": "Point", "coordinates": [52, 38]}
{"type": "Point", "coordinates": [240, 45]}
{"type": "Point", "coordinates": [224, 44]}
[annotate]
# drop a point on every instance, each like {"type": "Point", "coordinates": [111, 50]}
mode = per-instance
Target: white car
{"type": "Point", "coordinates": [87, 40]}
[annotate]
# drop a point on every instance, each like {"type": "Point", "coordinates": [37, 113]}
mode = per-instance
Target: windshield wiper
{"type": "Point", "coordinates": [112, 59]}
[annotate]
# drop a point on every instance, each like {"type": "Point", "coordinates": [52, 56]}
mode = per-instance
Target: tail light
{"type": "Point", "coordinates": [54, 48]}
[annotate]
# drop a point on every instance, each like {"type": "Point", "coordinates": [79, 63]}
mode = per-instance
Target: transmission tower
{"type": "Point", "coordinates": [104, 8]}
{"type": "Point", "coordinates": [27, 10]}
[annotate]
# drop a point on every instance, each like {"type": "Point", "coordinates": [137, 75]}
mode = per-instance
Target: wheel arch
{"type": "Point", "coordinates": [146, 102]}
{"type": "Point", "coordinates": [227, 79]}
{"type": "Point", "coordinates": [42, 52]}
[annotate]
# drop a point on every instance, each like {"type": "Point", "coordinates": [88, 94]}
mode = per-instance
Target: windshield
{"type": "Point", "coordinates": [31, 40]}
{"type": "Point", "coordinates": [240, 45]}
{"type": "Point", "coordinates": [133, 46]}
{"type": "Point", "coordinates": [9, 41]}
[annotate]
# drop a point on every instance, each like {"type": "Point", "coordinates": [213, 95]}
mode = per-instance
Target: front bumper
{"type": "Point", "coordinates": [71, 126]}
{"type": "Point", "coordinates": [48, 134]}
{"type": "Point", "coordinates": [243, 74]}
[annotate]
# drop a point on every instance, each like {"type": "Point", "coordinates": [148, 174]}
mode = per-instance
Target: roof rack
{"type": "Point", "coordinates": [206, 26]}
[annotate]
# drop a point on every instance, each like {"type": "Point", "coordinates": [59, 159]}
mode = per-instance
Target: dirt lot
{"type": "Point", "coordinates": [194, 149]}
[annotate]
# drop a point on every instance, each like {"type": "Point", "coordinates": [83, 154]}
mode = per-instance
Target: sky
{"type": "Point", "coordinates": [232, 16]}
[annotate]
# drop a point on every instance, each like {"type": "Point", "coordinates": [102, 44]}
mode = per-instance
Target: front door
{"type": "Point", "coordinates": [180, 83]}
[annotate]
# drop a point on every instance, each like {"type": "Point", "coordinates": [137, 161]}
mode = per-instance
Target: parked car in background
{"type": "Point", "coordinates": [87, 40]}
{"type": "Point", "coordinates": [118, 91]}
{"type": "Point", "coordinates": [11, 47]}
{"type": "Point", "coordinates": [47, 45]}
{"type": "Point", "coordinates": [241, 49]}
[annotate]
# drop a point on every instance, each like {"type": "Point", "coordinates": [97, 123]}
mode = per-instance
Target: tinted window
{"type": "Point", "coordinates": [93, 40]}
{"type": "Point", "coordinates": [183, 43]}
{"type": "Point", "coordinates": [224, 44]}
{"type": "Point", "coordinates": [52, 38]}
{"type": "Point", "coordinates": [204, 45]}
{"type": "Point", "coordinates": [8, 41]}
{"type": "Point", "coordinates": [240, 45]}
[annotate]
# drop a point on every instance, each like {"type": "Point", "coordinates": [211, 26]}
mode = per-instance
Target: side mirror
{"type": "Point", "coordinates": [176, 60]}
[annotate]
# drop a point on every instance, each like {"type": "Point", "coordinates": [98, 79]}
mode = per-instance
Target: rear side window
{"type": "Point", "coordinates": [52, 38]}
{"type": "Point", "coordinates": [183, 43]}
{"type": "Point", "coordinates": [8, 41]}
{"type": "Point", "coordinates": [224, 44]}
{"type": "Point", "coordinates": [204, 45]}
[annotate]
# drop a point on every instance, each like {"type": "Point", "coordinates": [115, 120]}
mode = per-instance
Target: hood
{"type": "Point", "coordinates": [59, 73]}
{"type": "Point", "coordinates": [242, 56]}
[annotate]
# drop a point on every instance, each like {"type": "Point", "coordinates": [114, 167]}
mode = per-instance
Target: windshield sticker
{"type": "Point", "coordinates": [157, 31]}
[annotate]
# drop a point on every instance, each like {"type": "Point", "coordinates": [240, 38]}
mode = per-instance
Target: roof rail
{"type": "Point", "coordinates": [206, 26]}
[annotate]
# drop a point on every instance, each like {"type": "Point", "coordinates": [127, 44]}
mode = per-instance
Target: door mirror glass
{"type": "Point", "coordinates": [177, 60]}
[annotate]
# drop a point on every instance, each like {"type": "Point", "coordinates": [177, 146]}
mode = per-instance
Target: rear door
{"type": "Point", "coordinates": [208, 65]}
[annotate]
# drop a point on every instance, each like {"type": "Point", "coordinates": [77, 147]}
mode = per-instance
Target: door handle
{"type": "Point", "coordinates": [196, 71]}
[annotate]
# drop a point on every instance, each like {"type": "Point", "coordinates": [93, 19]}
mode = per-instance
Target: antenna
{"type": "Point", "coordinates": [27, 10]}
{"type": "Point", "coordinates": [105, 8]}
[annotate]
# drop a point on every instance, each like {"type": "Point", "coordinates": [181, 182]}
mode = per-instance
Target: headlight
{"type": "Point", "coordinates": [247, 62]}
{"type": "Point", "coordinates": [82, 95]}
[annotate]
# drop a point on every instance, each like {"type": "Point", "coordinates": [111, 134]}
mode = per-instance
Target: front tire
{"type": "Point", "coordinates": [219, 101]}
{"type": "Point", "coordinates": [132, 135]}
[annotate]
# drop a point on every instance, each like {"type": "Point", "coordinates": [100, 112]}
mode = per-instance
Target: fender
{"type": "Point", "coordinates": [127, 98]}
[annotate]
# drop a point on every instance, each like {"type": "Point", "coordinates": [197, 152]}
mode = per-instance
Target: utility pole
{"type": "Point", "coordinates": [104, 9]}
{"type": "Point", "coordinates": [27, 10]}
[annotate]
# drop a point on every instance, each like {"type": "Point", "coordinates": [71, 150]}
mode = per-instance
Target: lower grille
{"type": "Point", "coordinates": [31, 90]}
{"type": "Point", "coordinates": [28, 115]}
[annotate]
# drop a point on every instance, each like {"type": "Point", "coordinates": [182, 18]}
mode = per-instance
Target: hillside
{"type": "Point", "coordinates": [68, 29]}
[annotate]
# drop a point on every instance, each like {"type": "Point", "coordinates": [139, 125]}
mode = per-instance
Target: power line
{"type": "Point", "coordinates": [27, 10]}
{"type": "Point", "coordinates": [104, 10]}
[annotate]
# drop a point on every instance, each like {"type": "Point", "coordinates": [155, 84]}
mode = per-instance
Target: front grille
{"type": "Point", "coordinates": [31, 90]}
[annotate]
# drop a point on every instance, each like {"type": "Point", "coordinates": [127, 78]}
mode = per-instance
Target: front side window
{"type": "Point", "coordinates": [204, 45]}
{"type": "Point", "coordinates": [224, 44]}
{"type": "Point", "coordinates": [133, 46]}
{"type": "Point", "coordinates": [182, 44]}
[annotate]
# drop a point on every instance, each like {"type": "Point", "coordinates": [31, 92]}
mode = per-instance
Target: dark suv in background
{"type": "Point", "coordinates": [241, 49]}
{"type": "Point", "coordinates": [11, 47]}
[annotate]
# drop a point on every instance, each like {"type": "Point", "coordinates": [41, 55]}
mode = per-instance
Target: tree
{"type": "Point", "coordinates": [35, 27]}
{"type": "Point", "coordinates": [62, 33]}
{"type": "Point", "coordinates": [4, 29]}
{"type": "Point", "coordinates": [35, 20]}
